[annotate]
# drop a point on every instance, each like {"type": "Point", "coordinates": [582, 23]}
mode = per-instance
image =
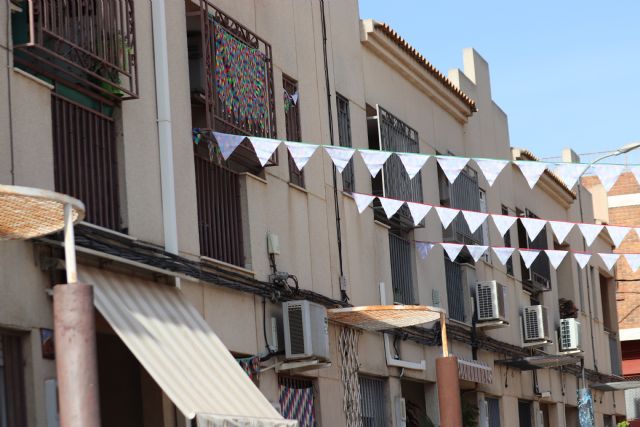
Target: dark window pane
{"type": "Point", "coordinates": [292, 119]}
{"type": "Point", "coordinates": [344, 135]}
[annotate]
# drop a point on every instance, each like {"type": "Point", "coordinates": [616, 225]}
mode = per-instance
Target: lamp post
{"type": "Point", "coordinates": [585, 400]}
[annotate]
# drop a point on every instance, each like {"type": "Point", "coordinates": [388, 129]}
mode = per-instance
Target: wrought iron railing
{"type": "Point", "coordinates": [344, 134]}
{"type": "Point", "coordinates": [464, 193]}
{"type": "Point", "coordinates": [89, 44]}
{"type": "Point", "coordinates": [401, 269]}
{"type": "Point", "coordinates": [455, 290]}
{"type": "Point", "coordinates": [372, 402]}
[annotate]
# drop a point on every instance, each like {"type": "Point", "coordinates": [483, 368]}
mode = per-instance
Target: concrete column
{"type": "Point", "coordinates": [76, 355]}
{"type": "Point", "coordinates": [448, 392]}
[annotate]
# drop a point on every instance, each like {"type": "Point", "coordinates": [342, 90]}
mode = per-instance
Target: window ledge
{"type": "Point", "coordinates": [348, 194]}
{"type": "Point", "coordinates": [256, 177]}
{"type": "Point", "coordinates": [227, 266]}
{"type": "Point", "coordinates": [459, 323]}
{"type": "Point", "coordinates": [381, 224]}
{"type": "Point", "coordinates": [33, 78]}
{"type": "Point", "coordinates": [297, 187]}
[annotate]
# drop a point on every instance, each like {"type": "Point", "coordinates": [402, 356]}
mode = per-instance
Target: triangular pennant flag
{"type": "Point", "coordinates": [533, 226]}
{"type": "Point", "coordinates": [476, 251]}
{"type": "Point", "coordinates": [617, 233]}
{"type": "Point", "coordinates": [340, 156]}
{"type": "Point", "coordinates": [503, 254]}
{"type": "Point", "coordinates": [295, 97]}
{"type": "Point", "coordinates": [491, 168]}
{"type": "Point", "coordinates": [633, 260]}
{"type": "Point", "coordinates": [582, 259]}
{"type": "Point", "coordinates": [590, 232]}
{"type": "Point", "coordinates": [362, 201]}
{"type": "Point", "coordinates": [390, 206]}
{"type": "Point", "coordinates": [474, 219]}
{"type": "Point", "coordinates": [374, 160]}
{"type": "Point", "coordinates": [446, 215]}
{"type": "Point", "coordinates": [418, 211]}
{"type": "Point", "coordinates": [609, 259]}
{"type": "Point", "coordinates": [300, 152]}
{"type": "Point", "coordinates": [423, 249]}
{"type": "Point", "coordinates": [413, 162]}
{"type": "Point", "coordinates": [555, 256]}
{"type": "Point", "coordinates": [561, 229]}
{"type": "Point", "coordinates": [531, 170]}
{"type": "Point", "coordinates": [528, 256]}
{"type": "Point", "coordinates": [637, 231]}
{"type": "Point", "coordinates": [503, 222]}
{"type": "Point", "coordinates": [608, 174]}
{"type": "Point", "coordinates": [452, 166]}
{"type": "Point", "coordinates": [569, 172]}
{"type": "Point", "coordinates": [635, 170]}
{"type": "Point", "coordinates": [264, 148]}
{"type": "Point", "coordinates": [228, 143]}
{"type": "Point", "coordinates": [452, 249]}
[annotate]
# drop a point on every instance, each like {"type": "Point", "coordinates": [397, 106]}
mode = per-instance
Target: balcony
{"type": "Point", "coordinates": [89, 45]}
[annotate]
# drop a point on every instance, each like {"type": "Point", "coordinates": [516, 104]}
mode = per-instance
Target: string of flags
{"type": "Point", "coordinates": [301, 152]}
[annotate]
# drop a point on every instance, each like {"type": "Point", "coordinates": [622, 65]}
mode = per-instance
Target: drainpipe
{"type": "Point", "coordinates": [163, 103]}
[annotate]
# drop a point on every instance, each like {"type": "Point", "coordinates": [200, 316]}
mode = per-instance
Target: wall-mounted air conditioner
{"type": "Point", "coordinates": [490, 301]}
{"type": "Point", "coordinates": [306, 330]}
{"type": "Point", "coordinates": [569, 335]}
{"type": "Point", "coordinates": [535, 324]}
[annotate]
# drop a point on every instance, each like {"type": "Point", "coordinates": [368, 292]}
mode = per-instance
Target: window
{"type": "Point", "coordinates": [538, 277]}
{"type": "Point", "coordinates": [400, 250]}
{"type": "Point", "coordinates": [525, 413]}
{"type": "Point", "coordinates": [493, 412]}
{"type": "Point", "coordinates": [608, 306]}
{"type": "Point", "coordinates": [455, 290]}
{"type": "Point", "coordinates": [12, 388]}
{"type": "Point", "coordinates": [372, 402]}
{"type": "Point", "coordinates": [344, 135]}
{"type": "Point", "coordinates": [297, 400]}
{"type": "Point", "coordinates": [292, 119]}
{"type": "Point", "coordinates": [507, 243]}
{"type": "Point", "coordinates": [614, 351]}
{"type": "Point", "coordinates": [464, 193]}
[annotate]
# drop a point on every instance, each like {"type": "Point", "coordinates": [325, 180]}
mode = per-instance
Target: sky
{"type": "Point", "coordinates": [567, 73]}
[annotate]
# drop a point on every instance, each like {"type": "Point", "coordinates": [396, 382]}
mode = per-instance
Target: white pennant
{"type": "Point", "coordinates": [423, 249]}
{"type": "Point", "coordinates": [635, 170]}
{"type": "Point", "coordinates": [362, 201]}
{"type": "Point", "coordinates": [531, 170]}
{"type": "Point", "coordinates": [503, 222]}
{"type": "Point", "coordinates": [452, 249]}
{"type": "Point", "coordinates": [300, 152]}
{"type": "Point", "coordinates": [503, 254]}
{"type": "Point", "coordinates": [582, 259]}
{"type": "Point", "coordinates": [413, 162]}
{"type": "Point", "coordinates": [590, 232]}
{"type": "Point", "coordinates": [528, 256]}
{"type": "Point", "coordinates": [340, 156]}
{"type": "Point", "coordinates": [637, 231]}
{"type": "Point", "coordinates": [633, 260]}
{"type": "Point", "coordinates": [555, 256]}
{"type": "Point", "coordinates": [374, 160]}
{"type": "Point", "coordinates": [569, 172]}
{"type": "Point", "coordinates": [491, 168]}
{"type": "Point", "coordinates": [533, 226]}
{"type": "Point", "coordinates": [474, 219]}
{"type": "Point", "coordinates": [608, 174]}
{"type": "Point", "coordinates": [477, 251]}
{"type": "Point", "coordinates": [617, 233]}
{"type": "Point", "coordinates": [228, 143]}
{"type": "Point", "coordinates": [390, 206]}
{"type": "Point", "coordinates": [446, 215]}
{"type": "Point", "coordinates": [264, 148]}
{"type": "Point", "coordinates": [418, 211]}
{"type": "Point", "coordinates": [561, 229]}
{"type": "Point", "coordinates": [452, 166]}
{"type": "Point", "coordinates": [609, 259]}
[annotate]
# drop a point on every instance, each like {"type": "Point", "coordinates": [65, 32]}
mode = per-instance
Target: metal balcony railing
{"type": "Point", "coordinates": [401, 269]}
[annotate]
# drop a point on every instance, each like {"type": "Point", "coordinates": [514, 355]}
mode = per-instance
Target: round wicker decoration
{"type": "Point", "coordinates": [382, 317]}
{"type": "Point", "coordinates": [30, 212]}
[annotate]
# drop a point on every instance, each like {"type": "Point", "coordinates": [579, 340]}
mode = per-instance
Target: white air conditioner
{"type": "Point", "coordinates": [490, 301]}
{"type": "Point", "coordinates": [306, 331]}
{"type": "Point", "coordinates": [569, 332]}
{"type": "Point", "coordinates": [535, 324]}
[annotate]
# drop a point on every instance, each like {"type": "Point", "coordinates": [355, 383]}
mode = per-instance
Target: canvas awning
{"type": "Point", "coordinates": [616, 386]}
{"type": "Point", "coordinates": [540, 362]}
{"type": "Point", "coordinates": [179, 350]}
{"type": "Point", "coordinates": [474, 371]}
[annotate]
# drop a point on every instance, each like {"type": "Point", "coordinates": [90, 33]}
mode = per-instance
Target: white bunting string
{"type": "Point", "coordinates": [446, 215]}
{"type": "Point", "coordinates": [569, 172]}
{"type": "Point", "coordinates": [477, 251]}
{"type": "Point", "coordinates": [635, 170]}
{"type": "Point", "coordinates": [533, 226]}
{"type": "Point", "coordinates": [561, 229]}
{"type": "Point", "coordinates": [528, 256]}
{"type": "Point", "coordinates": [452, 166]}
{"type": "Point", "coordinates": [452, 249]}
{"type": "Point", "coordinates": [609, 259]}
{"type": "Point", "coordinates": [633, 260]}
{"type": "Point", "coordinates": [503, 222]}
{"type": "Point", "coordinates": [555, 257]}
{"type": "Point", "coordinates": [340, 156]}
{"type": "Point", "coordinates": [608, 174]}
{"type": "Point", "coordinates": [582, 259]}
{"type": "Point", "coordinates": [264, 148]}
{"type": "Point", "coordinates": [418, 211]}
{"type": "Point", "coordinates": [413, 162]}
{"type": "Point", "coordinates": [474, 219]}
{"type": "Point", "coordinates": [227, 143]}
{"type": "Point", "coordinates": [590, 232]}
{"type": "Point", "coordinates": [374, 160]}
{"type": "Point", "coordinates": [617, 233]}
{"type": "Point", "coordinates": [390, 206]}
{"type": "Point", "coordinates": [423, 249]}
{"type": "Point", "coordinates": [503, 254]}
{"type": "Point", "coordinates": [531, 170]}
{"type": "Point", "coordinates": [300, 152]}
{"type": "Point", "coordinates": [362, 201]}
{"type": "Point", "coordinates": [491, 168]}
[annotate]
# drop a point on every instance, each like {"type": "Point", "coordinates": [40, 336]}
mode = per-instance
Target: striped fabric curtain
{"type": "Point", "coordinates": [296, 403]}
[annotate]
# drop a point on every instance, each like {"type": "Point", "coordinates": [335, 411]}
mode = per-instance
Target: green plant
{"type": "Point", "coordinates": [624, 423]}
{"type": "Point", "coordinates": [469, 413]}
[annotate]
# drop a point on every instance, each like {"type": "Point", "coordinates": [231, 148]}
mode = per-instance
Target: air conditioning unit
{"type": "Point", "coordinates": [306, 331]}
{"type": "Point", "coordinates": [569, 332]}
{"type": "Point", "coordinates": [535, 324]}
{"type": "Point", "coordinates": [490, 301]}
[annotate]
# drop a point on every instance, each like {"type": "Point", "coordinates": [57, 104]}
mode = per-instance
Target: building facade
{"type": "Point", "coordinates": [80, 114]}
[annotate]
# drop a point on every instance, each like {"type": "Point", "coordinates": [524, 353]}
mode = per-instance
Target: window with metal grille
{"type": "Point", "coordinates": [12, 388]}
{"type": "Point", "coordinates": [455, 290]}
{"type": "Point", "coordinates": [493, 411]}
{"type": "Point", "coordinates": [344, 136]}
{"type": "Point", "coordinates": [465, 194]}
{"type": "Point", "coordinates": [297, 400]}
{"type": "Point", "coordinates": [372, 402]}
{"type": "Point", "coordinates": [507, 243]}
{"type": "Point", "coordinates": [86, 159]}
{"type": "Point", "coordinates": [616, 362]}
{"type": "Point", "coordinates": [538, 277]}
{"type": "Point", "coordinates": [292, 119]}
{"type": "Point", "coordinates": [400, 250]}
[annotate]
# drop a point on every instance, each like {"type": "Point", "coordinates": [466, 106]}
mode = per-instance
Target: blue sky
{"type": "Point", "coordinates": [567, 73]}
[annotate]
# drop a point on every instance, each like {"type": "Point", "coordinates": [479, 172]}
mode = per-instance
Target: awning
{"type": "Point", "coordinates": [180, 351]}
{"type": "Point", "coordinates": [540, 362]}
{"type": "Point", "coordinates": [474, 371]}
{"type": "Point", "coordinates": [384, 317]}
{"type": "Point", "coordinates": [615, 386]}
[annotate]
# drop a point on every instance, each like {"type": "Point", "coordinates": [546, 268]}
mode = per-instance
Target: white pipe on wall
{"type": "Point", "coordinates": [163, 103]}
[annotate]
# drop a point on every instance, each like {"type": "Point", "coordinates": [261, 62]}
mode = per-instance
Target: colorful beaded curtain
{"type": "Point", "coordinates": [241, 80]}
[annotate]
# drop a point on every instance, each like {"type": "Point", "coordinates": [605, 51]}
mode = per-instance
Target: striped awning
{"type": "Point", "coordinates": [179, 350]}
{"type": "Point", "coordinates": [474, 371]}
